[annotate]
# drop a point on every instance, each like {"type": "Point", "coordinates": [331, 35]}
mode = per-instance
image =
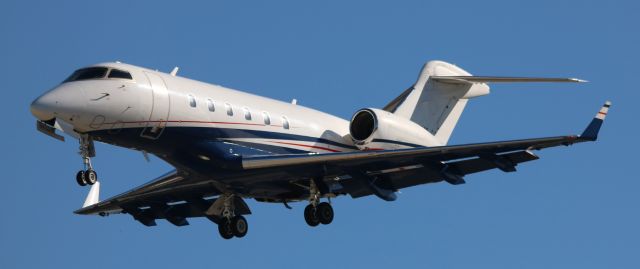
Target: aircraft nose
{"type": "Point", "coordinates": [43, 107]}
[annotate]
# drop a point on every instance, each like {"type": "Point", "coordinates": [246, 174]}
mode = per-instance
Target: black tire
{"type": "Point", "coordinates": [224, 228]}
{"type": "Point", "coordinates": [324, 211]}
{"type": "Point", "coordinates": [239, 226]}
{"type": "Point", "coordinates": [80, 178]}
{"type": "Point", "coordinates": [90, 177]}
{"type": "Point", "coordinates": [311, 216]}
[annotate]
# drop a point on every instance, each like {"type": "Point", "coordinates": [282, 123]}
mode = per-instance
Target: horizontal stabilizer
{"type": "Point", "coordinates": [591, 132]}
{"type": "Point", "coordinates": [488, 79]}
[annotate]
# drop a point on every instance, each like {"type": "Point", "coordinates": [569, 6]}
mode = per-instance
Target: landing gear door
{"type": "Point", "coordinates": [159, 107]}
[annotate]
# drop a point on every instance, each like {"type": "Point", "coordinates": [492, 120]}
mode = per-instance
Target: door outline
{"type": "Point", "coordinates": [160, 106]}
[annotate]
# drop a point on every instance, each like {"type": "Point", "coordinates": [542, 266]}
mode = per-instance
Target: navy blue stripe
{"type": "Point", "coordinates": [230, 133]}
{"type": "Point", "coordinates": [242, 133]}
{"type": "Point", "coordinates": [396, 142]}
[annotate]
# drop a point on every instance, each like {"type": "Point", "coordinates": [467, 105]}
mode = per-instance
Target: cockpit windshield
{"type": "Point", "coordinates": [115, 73]}
{"type": "Point", "coordinates": [88, 73]}
{"type": "Point", "coordinates": [97, 73]}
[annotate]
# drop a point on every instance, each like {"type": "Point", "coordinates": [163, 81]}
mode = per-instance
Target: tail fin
{"type": "Point", "coordinates": [436, 101]}
{"type": "Point", "coordinates": [434, 105]}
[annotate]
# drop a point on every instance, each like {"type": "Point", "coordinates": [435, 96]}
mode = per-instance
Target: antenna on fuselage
{"type": "Point", "coordinates": [174, 72]}
{"type": "Point", "coordinates": [294, 101]}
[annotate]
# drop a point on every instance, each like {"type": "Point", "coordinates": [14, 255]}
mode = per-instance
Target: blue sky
{"type": "Point", "coordinates": [575, 207]}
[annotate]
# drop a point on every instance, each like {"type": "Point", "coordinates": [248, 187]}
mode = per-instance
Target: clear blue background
{"type": "Point", "coordinates": [576, 207]}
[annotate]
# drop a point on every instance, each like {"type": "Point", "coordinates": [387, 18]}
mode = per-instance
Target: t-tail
{"type": "Point", "coordinates": [438, 98]}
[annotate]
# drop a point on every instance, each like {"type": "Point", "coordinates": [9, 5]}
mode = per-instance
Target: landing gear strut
{"type": "Point", "coordinates": [231, 225]}
{"type": "Point", "coordinates": [87, 176]}
{"type": "Point", "coordinates": [316, 212]}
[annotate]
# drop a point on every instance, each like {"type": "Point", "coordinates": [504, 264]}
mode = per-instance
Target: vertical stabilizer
{"type": "Point", "coordinates": [437, 105]}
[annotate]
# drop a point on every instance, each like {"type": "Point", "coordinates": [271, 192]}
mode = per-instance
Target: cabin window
{"type": "Point", "coordinates": [229, 109]}
{"type": "Point", "coordinates": [285, 122]}
{"type": "Point", "coordinates": [267, 120]}
{"type": "Point", "coordinates": [87, 73]}
{"type": "Point", "coordinates": [211, 105]}
{"type": "Point", "coordinates": [192, 100]}
{"type": "Point", "coordinates": [115, 73]}
{"type": "Point", "coordinates": [247, 113]}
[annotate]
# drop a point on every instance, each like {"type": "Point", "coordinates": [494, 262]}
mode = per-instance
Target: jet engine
{"type": "Point", "coordinates": [375, 129]}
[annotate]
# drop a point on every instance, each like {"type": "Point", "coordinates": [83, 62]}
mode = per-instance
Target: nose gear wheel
{"type": "Point", "coordinates": [87, 176]}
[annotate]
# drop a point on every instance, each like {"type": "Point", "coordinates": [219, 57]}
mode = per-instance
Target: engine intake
{"type": "Point", "coordinates": [363, 124]}
{"type": "Point", "coordinates": [375, 129]}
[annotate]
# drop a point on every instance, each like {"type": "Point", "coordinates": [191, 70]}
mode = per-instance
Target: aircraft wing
{"type": "Point", "coordinates": [174, 196]}
{"type": "Point", "coordinates": [384, 172]}
{"type": "Point", "coordinates": [443, 153]}
{"type": "Point", "coordinates": [177, 195]}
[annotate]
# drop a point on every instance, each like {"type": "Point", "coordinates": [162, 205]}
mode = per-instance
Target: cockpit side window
{"type": "Point", "coordinates": [115, 73]}
{"type": "Point", "coordinates": [87, 73]}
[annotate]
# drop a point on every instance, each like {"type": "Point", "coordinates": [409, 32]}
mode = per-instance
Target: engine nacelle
{"type": "Point", "coordinates": [375, 129]}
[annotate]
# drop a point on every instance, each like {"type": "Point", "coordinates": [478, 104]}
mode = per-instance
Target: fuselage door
{"type": "Point", "coordinates": [159, 107]}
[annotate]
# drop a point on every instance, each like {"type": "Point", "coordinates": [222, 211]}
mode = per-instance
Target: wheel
{"type": "Point", "coordinates": [239, 226]}
{"type": "Point", "coordinates": [80, 178]}
{"type": "Point", "coordinates": [224, 228]}
{"type": "Point", "coordinates": [324, 211]}
{"type": "Point", "coordinates": [90, 177]}
{"type": "Point", "coordinates": [311, 216]}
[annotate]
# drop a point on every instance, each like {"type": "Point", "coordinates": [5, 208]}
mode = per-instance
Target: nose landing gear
{"type": "Point", "coordinates": [87, 176]}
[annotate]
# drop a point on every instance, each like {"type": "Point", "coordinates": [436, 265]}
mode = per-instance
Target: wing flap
{"type": "Point", "coordinates": [431, 172]}
{"type": "Point", "coordinates": [503, 162]}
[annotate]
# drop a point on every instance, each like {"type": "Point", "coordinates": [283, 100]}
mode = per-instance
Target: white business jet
{"type": "Point", "coordinates": [228, 146]}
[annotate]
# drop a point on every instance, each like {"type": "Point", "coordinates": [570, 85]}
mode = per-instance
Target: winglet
{"type": "Point", "coordinates": [591, 132]}
{"type": "Point", "coordinates": [94, 195]}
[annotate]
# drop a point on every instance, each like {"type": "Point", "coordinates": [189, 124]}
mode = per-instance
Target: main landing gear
{"type": "Point", "coordinates": [316, 212]}
{"type": "Point", "coordinates": [322, 213]}
{"type": "Point", "coordinates": [231, 225]}
{"type": "Point", "coordinates": [236, 226]}
{"type": "Point", "coordinates": [87, 176]}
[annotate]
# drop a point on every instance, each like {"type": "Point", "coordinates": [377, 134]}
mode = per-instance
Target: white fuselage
{"type": "Point", "coordinates": [154, 99]}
